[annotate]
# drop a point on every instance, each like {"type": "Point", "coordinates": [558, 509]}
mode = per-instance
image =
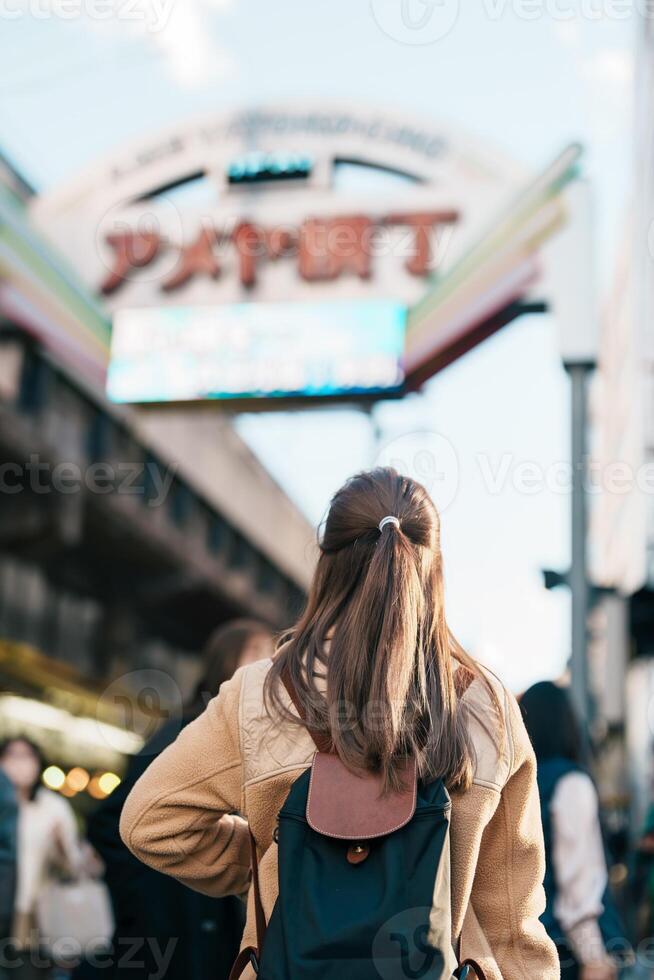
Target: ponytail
{"type": "Point", "coordinates": [375, 661]}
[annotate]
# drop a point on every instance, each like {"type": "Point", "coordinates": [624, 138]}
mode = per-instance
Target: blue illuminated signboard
{"type": "Point", "coordinates": [257, 351]}
{"type": "Point", "coordinates": [254, 168]}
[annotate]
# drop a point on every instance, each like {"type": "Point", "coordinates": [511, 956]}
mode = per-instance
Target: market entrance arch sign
{"type": "Point", "coordinates": [308, 219]}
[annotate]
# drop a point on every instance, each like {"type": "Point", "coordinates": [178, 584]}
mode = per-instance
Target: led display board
{"type": "Point", "coordinates": [257, 351]}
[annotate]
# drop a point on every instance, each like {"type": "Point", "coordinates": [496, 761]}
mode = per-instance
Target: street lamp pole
{"type": "Point", "coordinates": [579, 373]}
{"type": "Point", "coordinates": [573, 299]}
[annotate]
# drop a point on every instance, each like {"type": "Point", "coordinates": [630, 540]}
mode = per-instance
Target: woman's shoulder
{"type": "Point", "coordinates": [246, 683]}
{"type": "Point", "coordinates": [495, 726]}
{"type": "Point", "coordinates": [269, 744]}
{"type": "Point", "coordinates": [252, 676]}
{"type": "Point", "coordinates": [479, 688]}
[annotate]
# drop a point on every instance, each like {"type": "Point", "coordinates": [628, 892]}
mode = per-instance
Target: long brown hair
{"type": "Point", "coordinates": [375, 628]}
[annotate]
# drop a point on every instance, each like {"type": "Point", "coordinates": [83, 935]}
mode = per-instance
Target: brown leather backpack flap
{"type": "Point", "coordinates": [351, 806]}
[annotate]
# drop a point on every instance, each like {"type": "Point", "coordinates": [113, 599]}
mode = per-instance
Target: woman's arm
{"type": "Point", "coordinates": [579, 865]}
{"type": "Point", "coordinates": [178, 818]}
{"type": "Point", "coordinates": [67, 847]}
{"type": "Point", "coordinates": [507, 893]}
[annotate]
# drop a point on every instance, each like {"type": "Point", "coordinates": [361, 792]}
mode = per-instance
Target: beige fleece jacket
{"type": "Point", "coordinates": [234, 758]}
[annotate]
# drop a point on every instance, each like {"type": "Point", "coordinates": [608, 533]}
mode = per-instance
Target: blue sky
{"type": "Point", "coordinates": [527, 77]}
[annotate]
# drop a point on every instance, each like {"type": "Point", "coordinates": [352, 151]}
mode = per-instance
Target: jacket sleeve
{"type": "Point", "coordinates": [507, 894]}
{"type": "Point", "coordinates": [67, 848]}
{"type": "Point", "coordinates": [579, 865]}
{"type": "Point", "coordinates": [181, 816]}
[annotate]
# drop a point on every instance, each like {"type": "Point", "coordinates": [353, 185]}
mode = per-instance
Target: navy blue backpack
{"type": "Point", "coordinates": [364, 880]}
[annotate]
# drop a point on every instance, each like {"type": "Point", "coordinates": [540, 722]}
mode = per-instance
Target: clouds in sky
{"type": "Point", "coordinates": [613, 67]}
{"type": "Point", "coordinates": [191, 54]}
{"type": "Point", "coordinates": [606, 72]}
{"type": "Point", "coordinates": [181, 32]}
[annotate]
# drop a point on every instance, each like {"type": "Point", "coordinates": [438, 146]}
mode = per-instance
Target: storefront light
{"type": "Point", "coordinates": [93, 789]}
{"type": "Point", "coordinates": [87, 731]}
{"type": "Point", "coordinates": [77, 779]}
{"type": "Point", "coordinates": [102, 785]}
{"type": "Point", "coordinates": [108, 782]}
{"type": "Point", "coordinates": [54, 777]}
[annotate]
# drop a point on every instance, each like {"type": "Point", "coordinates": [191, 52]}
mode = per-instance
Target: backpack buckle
{"type": "Point", "coordinates": [358, 852]}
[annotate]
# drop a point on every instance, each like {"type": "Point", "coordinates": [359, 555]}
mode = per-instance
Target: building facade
{"type": "Point", "coordinates": [622, 525]}
{"type": "Point", "coordinates": [123, 544]}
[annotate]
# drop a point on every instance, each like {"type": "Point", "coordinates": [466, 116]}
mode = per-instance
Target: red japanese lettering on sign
{"type": "Point", "coordinates": [132, 250]}
{"type": "Point", "coordinates": [422, 222]}
{"type": "Point", "coordinates": [325, 248]}
{"type": "Point", "coordinates": [195, 259]}
{"type": "Point", "coordinates": [328, 248]}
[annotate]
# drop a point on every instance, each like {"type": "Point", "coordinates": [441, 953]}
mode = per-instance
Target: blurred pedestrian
{"type": "Point", "coordinates": [235, 644]}
{"type": "Point", "coordinates": [8, 853]}
{"type": "Point", "coordinates": [163, 928]}
{"type": "Point", "coordinates": [580, 915]}
{"type": "Point", "coordinates": [642, 890]}
{"type": "Point", "coordinates": [373, 650]}
{"type": "Point", "coordinates": [47, 840]}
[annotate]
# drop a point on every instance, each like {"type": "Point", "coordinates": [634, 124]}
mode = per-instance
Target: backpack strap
{"type": "Point", "coordinates": [246, 957]}
{"type": "Point", "coordinates": [259, 914]}
{"type": "Point", "coordinates": [321, 740]}
{"type": "Point", "coordinates": [250, 955]}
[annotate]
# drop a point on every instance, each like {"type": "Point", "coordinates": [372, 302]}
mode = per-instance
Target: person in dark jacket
{"type": "Point", "coordinates": [164, 930]}
{"type": "Point", "coordinates": [8, 853]}
{"type": "Point", "coordinates": [580, 914]}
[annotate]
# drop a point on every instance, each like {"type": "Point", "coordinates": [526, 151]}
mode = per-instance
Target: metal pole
{"type": "Point", "coordinates": [579, 585]}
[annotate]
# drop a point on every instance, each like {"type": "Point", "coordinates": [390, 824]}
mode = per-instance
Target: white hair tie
{"type": "Point", "coordinates": [388, 520]}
